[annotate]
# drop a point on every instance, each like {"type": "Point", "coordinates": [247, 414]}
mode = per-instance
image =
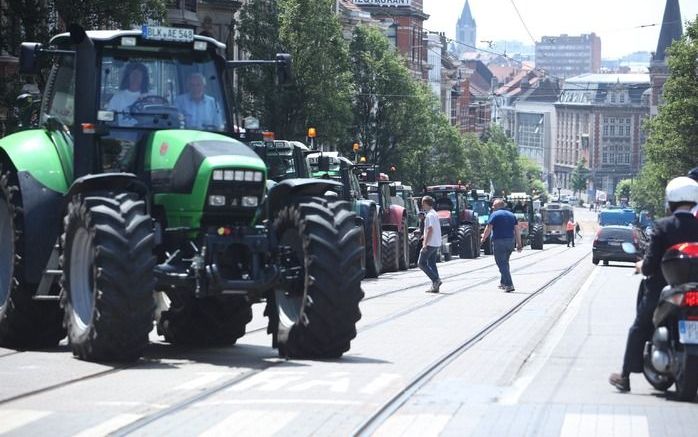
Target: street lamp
{"type": "Point", "coordinates": [558, 192]}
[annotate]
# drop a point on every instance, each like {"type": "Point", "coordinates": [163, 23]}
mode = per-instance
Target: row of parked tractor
{"type": "Point", "coordinates": [389, 211]}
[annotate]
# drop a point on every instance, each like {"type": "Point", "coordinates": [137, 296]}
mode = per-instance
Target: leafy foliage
{"type": "Point", "coordinates": [672, 145]}
{"type": "Point", "coordinates": [580, 174]}
{"type": "Point", "coordinates": [624, 189]}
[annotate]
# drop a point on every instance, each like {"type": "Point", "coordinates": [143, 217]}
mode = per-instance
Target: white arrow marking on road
{"type": "Point", "coordinates": [576, 425]}
{"type": "Point", "coordinates": [417, 425]}
{"type": "Point", "coordinates": [13, 419]}
{"type": "Point", "coordinates": [269, 381]}
{"type": "Point", "coordinates": [379, 383]}
{"type": "Point", "coordinates": [253, 423]}
{"type": "Point", "coordinates": [108, 426]}
{"type": "Point", "coordinates": [205, 379]}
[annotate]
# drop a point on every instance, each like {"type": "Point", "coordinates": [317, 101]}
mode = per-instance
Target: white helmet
{"type": "Point", "coordinates": [682, 189]}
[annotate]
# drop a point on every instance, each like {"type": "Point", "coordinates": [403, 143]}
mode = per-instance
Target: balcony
{"type": "Point", "coordinates": [182, 13]}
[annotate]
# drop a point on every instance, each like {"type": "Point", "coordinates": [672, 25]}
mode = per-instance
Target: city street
{"type": "Point", "coordinates": [471, 360]}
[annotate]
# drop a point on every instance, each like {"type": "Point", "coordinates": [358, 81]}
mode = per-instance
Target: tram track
{"type": "Point", "coordinates": [390, 407]}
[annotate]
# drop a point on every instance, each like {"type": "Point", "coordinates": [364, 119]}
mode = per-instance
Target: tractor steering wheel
{"type": "Point", "coordinates": [139, 106]}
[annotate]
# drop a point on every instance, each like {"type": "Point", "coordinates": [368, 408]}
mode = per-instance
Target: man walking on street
{"type": "Point", "coordinates": [431, 244]}
{"type": "Point", "coordinates": [570, 231]}
{"type": "Point", "coordinates": [504, 228]}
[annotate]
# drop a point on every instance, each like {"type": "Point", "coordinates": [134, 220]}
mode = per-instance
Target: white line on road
{"type": "Point", "coordinates": [253, 423]}
{"type": "Point", "coordinates": [380, 383]}
{"type": "Point", "coordinates": [13, 419]}
{"type": "Point", "coordinates": [418, 425]}
{"type": "Point", "coordinates": [108, 426]}
{"type": "Point", "coordinates": [602, 425]}
{"type": "Point", "coordinates": [278, 402]}
{"type": "Point", "coordinates": [557, 332]}
{"type": "Point", "coordinates": [206, 378]}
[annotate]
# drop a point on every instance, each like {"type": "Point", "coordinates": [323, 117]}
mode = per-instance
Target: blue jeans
{"type": "Point", "coordinates": [502, 249]}
{"type": "Point", "coordinates": [427, 262]}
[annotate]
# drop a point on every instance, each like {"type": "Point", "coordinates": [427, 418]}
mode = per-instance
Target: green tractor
{"type": "Point", "coordinates": [530, 224]}
{"type": "Point", "coordinates": [284, 159]}
{"type": "Point", "coordinates": [479, 201]}
{"type": "Point", "coordinates": [132, 190]}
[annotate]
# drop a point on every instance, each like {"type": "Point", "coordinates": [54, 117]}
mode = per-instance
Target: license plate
{"type": "Point", "coordinates": [160, 33]}
{"type": "Point", "coordinates": [614, 243]}
{"type": "Point", "coordinates": [688, 332]}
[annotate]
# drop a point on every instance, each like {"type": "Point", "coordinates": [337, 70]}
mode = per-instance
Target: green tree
{"type": "Point", "coordinates": [672, 145]}
{"type": "Point", "coordinates": [109, 14]}
{"type": "Point", "coordinates": [580, 174]}
{"type": "Point", "coordinates": [624, 189]}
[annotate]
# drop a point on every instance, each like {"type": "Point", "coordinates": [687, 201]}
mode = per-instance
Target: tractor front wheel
{"type": "Point", "coordinates": [536, 237]}
{"type": "Point", "coordinates": [313, 313]}
{"type": "Point", "coordinates": [391, 251]}
{"type": "Point", "coordinates": [373, 245]}
{"type": "Point", "coordinates": [108, 277]}
{"type": "Point", "coordinates": [465, 242]}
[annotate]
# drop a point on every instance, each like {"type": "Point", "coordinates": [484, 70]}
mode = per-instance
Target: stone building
{"type": "Point", "coordinates": [599, 119]}
{"type": "Point", "coordinates": [466, 30]}
{"type": "Point", "coordinates": [672, 29]}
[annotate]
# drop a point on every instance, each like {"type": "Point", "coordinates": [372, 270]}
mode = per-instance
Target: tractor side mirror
{"type": "Point", "coordinates": [284, 73]}
{"type": "Point", "coordinates": [324, 163]}
{"type": "Point", "coordinates": [393, 191]}
{"type": "Point", "coordinates": [28, 58]}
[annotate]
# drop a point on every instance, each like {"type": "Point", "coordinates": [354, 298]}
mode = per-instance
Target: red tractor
{"type": "Point", "coordinates": [395, 253]}
{"type": "Point", "coordinates": [458, 222]}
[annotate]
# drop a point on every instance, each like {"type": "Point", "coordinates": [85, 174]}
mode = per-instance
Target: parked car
{"type": "Point", "coordinates": [608, 243]}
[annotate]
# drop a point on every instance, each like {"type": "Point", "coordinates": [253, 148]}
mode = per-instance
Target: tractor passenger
{"type": "Point", "coordinates": [200, 110]}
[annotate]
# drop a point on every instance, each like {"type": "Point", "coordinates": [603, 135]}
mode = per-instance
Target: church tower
{"type": "Point", "coordinates": [466, 31]}
{"type": "Point", "coordinates": [672, 29]}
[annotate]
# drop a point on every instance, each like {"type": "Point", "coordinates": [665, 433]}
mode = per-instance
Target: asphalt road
{"type": "Point", "coordinates": [471, 360]}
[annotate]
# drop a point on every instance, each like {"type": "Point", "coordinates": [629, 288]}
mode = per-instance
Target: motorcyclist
{"type": "Point", "coordinates": [681, 226]}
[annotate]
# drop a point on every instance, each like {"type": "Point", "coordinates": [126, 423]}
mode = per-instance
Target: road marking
{"type": "Point", "coordinates": [206, 378]}
{"type": "Point", "coordinates": [108, 426]}
{"type": "Point", "coordinates": [538, 359]}
{"type": "Point", "coordinates": [379, 383]}
{"type": "Point", "coordinates": [13, 419]}
{"type": "Point", "coordinates": [418, 425]}
{"type": "Point", "coordinates": [278, 402]}
{"type": "Point", "coordinates": [338, 385]}
{"type": "Point", "coordinates": [253, 423]}
{"type": "Point", "coordinates": [578, 425]}
{"type": "Point", "coordinates": [268, 381]}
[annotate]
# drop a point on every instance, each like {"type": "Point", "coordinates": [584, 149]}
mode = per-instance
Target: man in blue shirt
{"type": "Point", "coordinates": [504, 228]}
{"type": "Point", "coordinates": [200, 110]}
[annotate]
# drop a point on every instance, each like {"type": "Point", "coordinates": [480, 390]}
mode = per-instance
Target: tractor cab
{"type": "Point", "coordinates": [522, 205]}
{"type": "Point", "coordinates": [284, 159]}
{"type": "Point", "coordinates": [458, 222]}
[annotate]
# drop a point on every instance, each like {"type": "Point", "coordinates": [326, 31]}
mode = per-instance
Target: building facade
{"type": "Point", "coordinates": [599, 120]}
{"type": "Point", "coordinates": [566, 56]}
{"type": "Point", "coordinates": [466, 30]}
{"type": "Point", "coordinates": [672, 29]}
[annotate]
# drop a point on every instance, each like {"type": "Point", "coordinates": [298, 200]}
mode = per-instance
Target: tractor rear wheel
{"type": "Point", "coordinates": [487, 246]}
{"type": "Point", "coordinates": [108, 280]}
{"type": "Point", "coordinates": [391, 251]}
{"type": "Point", "coordinates": [536, 237]}
{"type": "Point", "coordinates": [24, 322]}
{"type": "Point", "coordinates": [414, 249]}
{"type": "Point", "coordinates": [373, 245]}
{"type": "Point", "coordinates": [465, 242]}
{"type": "Point", "coordinates": [403, 242]}
{"type": "Point", "coordinates": [211, 321]}
{"type": "Point", "coordinates": [314, 312]}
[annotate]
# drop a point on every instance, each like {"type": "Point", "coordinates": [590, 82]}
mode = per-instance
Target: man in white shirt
{"type": "Point", "coordinates": [200, 111]}
{"type": "Point", "coordinates": [431, 244]}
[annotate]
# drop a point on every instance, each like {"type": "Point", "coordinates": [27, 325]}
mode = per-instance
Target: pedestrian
{"type": "Point", "coordinates": [504, 228]}
{"type": "Point", "coordinates": [578, 230]}
{"type": "Point", "coordinates": [431, 244]}
{"type": "Point", "coordinates": [570, 231]}
{"type": "Point", "coordinates": [679, 227]}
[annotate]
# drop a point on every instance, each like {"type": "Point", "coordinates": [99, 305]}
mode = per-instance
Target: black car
{"type": "Point", "coordinates": [608, 244]}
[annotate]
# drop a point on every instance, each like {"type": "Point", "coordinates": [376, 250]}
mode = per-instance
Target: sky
{"type": "Point", "coordinates": [615, 21]}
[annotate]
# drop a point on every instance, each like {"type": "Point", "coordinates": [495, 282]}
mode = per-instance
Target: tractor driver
{"type": "Point", "coordinates": [134, 85]}
{"type": "Point", "coordinates": [200, 110]}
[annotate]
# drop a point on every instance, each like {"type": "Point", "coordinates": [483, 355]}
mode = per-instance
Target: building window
{"type": "Point", "coordinates": [613, 130]}
{"type": "Point", "coordinates": [391, 33]}
{"type": "Point", "coordinates": [627, 131]}
{"type": "Point", "coordinates": [622, 98]}
{"type": "Point", "coordinates": [613, 97]}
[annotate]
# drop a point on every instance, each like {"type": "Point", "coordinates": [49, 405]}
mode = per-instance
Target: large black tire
{"type": "Point", "coordinates": [404, 247]}
{"type": "Point", "coordinates": [108, 279]}
{"type": "Point", "coordinates": [211, 321]}
{"type": "Point", "coordinates": [476, 243]}
{"type": "Point", "coordinates": [391, 251]}
{"type": "Point", "coordinates": [687, 378]}
{"type": "Point", "coordinates": [465, 242]}
{"type": "Point", "coordinates": [315, 314]}
{"type": "Point", "coordinates": [487, 246]}
{"type": "Point", "coordinates": [24, 322]}
{"type": "Point", "coordinates": [415, 247]}
{"type": "Point", "coordinates": [373, 245]}
{"type": "Point", "coordinates": [536, 237]}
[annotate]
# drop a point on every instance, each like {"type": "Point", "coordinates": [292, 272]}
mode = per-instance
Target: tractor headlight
{"type": "Point", "coordinates": [250, 201]}
{"type": "Point", "coordinates": [216, 200]}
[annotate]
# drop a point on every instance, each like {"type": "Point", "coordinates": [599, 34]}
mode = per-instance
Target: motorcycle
{"type": "Point", "coordinates": [671, 357]}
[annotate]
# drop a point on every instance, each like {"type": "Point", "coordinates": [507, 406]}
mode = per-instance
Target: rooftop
{"type": "Point", "coordinates": [624, 78]}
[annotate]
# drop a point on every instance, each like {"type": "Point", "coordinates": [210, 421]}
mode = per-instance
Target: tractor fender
{"type": "Point", "coordinates": [107, 182]}
{"type": "Point", "coordinates": [364, 208]}
{"type": "Point", "coordinates": [395, 215]}
{"type": "Point", "coordinates": [41, 187]}
{"type": "Point", "coordinates": [470, 216]}
{"type": "Point", "coordinates": [282, 193]}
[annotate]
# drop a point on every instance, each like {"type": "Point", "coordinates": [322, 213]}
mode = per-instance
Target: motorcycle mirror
{"type": "Point", "coordinates": [629, 248]}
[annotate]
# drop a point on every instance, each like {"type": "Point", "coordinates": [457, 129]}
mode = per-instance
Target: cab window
{"type": "Point", "coordinates": [61, 104]}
